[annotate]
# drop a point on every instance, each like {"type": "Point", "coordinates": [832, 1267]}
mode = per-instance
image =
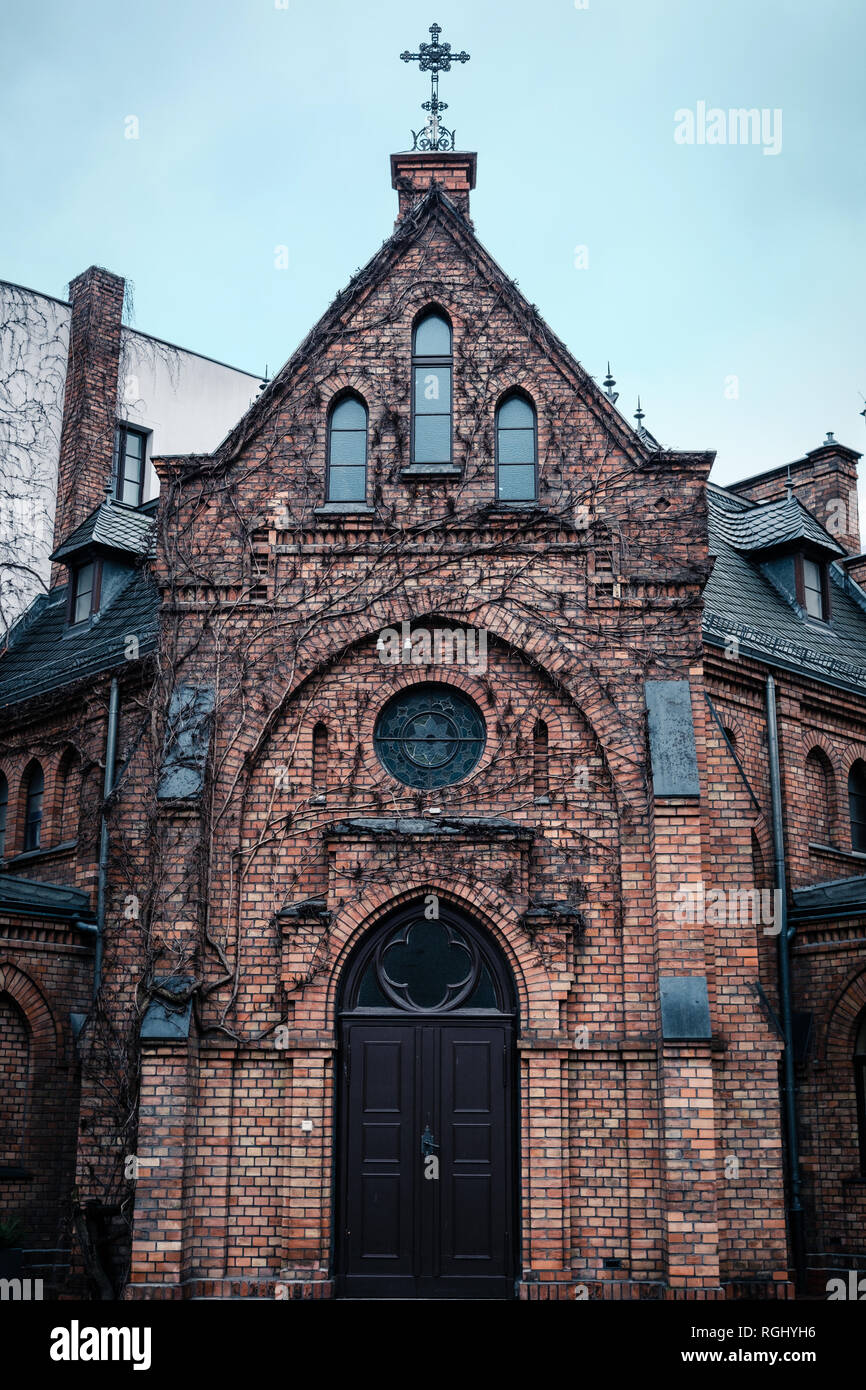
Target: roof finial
{"type": "Point", "coordinates": [434, 58]}
{"type": "Point", "coordinates": [639, 415]}
{"type": "Point", "coordinates": [609, 384]}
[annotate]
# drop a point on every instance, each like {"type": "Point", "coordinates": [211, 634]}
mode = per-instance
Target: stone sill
{"type": "Point", "coordinates": [344, 509]}
{"type": "Point", "coordinates": [851, 856]}
{"type": "Point", "coordinates": [33, 856]}
{"type": "Point", "coordinates": [432, 470]}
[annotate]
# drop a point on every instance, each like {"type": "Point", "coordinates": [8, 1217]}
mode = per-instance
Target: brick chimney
{"type": "Point", "coordinates": [90, 403]}
{"type": "Point", "coordinates": [413, 173]}
{"type": "Point", "coordinates": [825, 481]}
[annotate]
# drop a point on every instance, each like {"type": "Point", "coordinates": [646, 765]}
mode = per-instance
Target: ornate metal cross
{"type": "Point", "coordinates": [434, 58]}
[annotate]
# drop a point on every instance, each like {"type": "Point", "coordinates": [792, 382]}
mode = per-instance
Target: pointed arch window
{"type": "Point", "coordinates": [857, 804]}
{"type": "Point", "coordinates": [347, 451]}
{"type": "Point", "coordinates": [320, 758]}
{"type": "Point", "coordinates": [540, 767]}
{"type": "Point", "coordinates": [4, 811]}
{"type": "Point", "coordinates": [34, 788]}
{"type": "Point", "coordinates": [431, 389]}
{"type": "Point", "coordinates": [516, 450]}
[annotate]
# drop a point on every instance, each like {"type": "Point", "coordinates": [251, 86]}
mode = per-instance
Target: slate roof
{"type": "Point", "coordinates": [768, 524]}
{"type": "Point", "coordinates": [43, 654]}
{"type": "Point", "coordinates": [740, 601]}
{"type": "Point", "coordinates": [44, 899]}
{"type": "Point", "coordinates": [112, 526]}
{"type": "Point", "coordinates": [840, 897]}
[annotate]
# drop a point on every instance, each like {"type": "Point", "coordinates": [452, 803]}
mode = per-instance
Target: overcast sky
{"type": "Point", "coordinates": [725, 284]}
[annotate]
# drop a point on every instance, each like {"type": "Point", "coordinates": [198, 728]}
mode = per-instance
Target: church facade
{"type": "Point", "coordinates": [435, 832]}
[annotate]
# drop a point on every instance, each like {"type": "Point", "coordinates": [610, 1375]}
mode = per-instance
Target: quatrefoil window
{"type": "Point", "coordinates": [429, 736]}
{"type": "Point", "coordinates": [422, 965]}
{"type": "Point", "coordinates": [428, 966]}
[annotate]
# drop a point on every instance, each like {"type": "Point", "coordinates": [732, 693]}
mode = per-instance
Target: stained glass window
{"type": "Point", "coordinates": [430, 736]}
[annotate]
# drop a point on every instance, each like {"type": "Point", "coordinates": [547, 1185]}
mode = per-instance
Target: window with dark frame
{"type": "Point", "coordinates": [84, 598]}
{"type": "Point", "coordinates": [35, 787]}
{"type": "Point", "coordinates": [813, 588]}
{"type": "Point", "coordinates": [516, 451]}
{"type": "Point", "coordinates": [431, 389]}
{"type": "Point", "coordinates": [347, 451]}
{"type": "Point", "coordinates": [129, 466]}
{"type": "Point", "coordinates": [857, 804]}
{"type": "Point", "coordinates": [4, 810]}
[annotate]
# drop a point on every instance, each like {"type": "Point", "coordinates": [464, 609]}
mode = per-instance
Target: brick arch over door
{"type": "Point", "coordinates": [539, 989]}
{"type": "Point", "coordinates": [44, 1034]}
{"type": "Point", "coordinates": [622, 751]}
{"type": "Point", "coordinates": [839, 1035]}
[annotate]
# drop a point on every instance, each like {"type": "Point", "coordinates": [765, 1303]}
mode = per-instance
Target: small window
{"type": "Point", "coordinates": [431, 390]}
{"type": "Point", "coordinates": [34, 783]}
{"type": "Point", "coordinates": [320, 758]}
{"type": "Point", "coordinates": [347, 451]}
{"type": "Point", "coordinates": [515, 451]}
{"type": "Point", "coordinates": [85, 592]}
{"type": "Point", "coordinates": [860, 1086]}
{"type": "Point", "coordinates": [814, 598]}
{"type": "Point", "coordinates": [540, 769]}
{"type": "Point", "coordinates": [4, 811]}
{"type": "Point", "coordinates": [857, 804]}
{"type": "Point", "coordinates": [129, 466]}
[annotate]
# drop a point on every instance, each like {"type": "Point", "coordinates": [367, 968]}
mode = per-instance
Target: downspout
{"type": "Point", "coordinates": [795, 1209]}
{"type": "Point", "coordinates": [107, 788]}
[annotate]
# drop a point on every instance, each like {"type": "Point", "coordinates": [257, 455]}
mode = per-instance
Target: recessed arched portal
{"type": "Point", "coordinates": [427, 1169]}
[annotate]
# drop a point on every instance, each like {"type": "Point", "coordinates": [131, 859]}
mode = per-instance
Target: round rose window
{"type": "Point", "coordinates": [429, 736]}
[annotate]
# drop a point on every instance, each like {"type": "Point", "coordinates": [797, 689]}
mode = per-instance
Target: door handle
{"type": "Point", "coordinates": [427, 1142]}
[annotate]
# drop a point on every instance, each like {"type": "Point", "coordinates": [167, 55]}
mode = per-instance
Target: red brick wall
{"type": "Point", "coordinates": [90, 402]}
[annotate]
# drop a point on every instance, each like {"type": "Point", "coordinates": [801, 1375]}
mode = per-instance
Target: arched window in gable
{"type": "Point", "coordinates": [431, 389]}
{"type": "Point", "coordinates": [857, 804]}
{"type": "Point", "coordinates": [516, 450]}
{"type": "Point", "coordinates": [34, 788]}
{"type": "Point", "coordinates": [347, 451]}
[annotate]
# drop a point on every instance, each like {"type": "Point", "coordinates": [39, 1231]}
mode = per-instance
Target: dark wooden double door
{"type": "Point", "coordinates": [412, 1091]}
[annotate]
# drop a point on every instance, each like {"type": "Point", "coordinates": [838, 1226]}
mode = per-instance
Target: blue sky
{"type": "Point", "coordinates": [262, 126]}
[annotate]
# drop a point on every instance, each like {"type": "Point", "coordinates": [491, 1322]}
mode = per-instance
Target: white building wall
{"type": "Point", "coordinates": [187, 404]}
{"type": "Point", "coordinates": [34, 340]}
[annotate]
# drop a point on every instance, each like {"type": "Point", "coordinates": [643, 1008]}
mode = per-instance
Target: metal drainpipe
{"type": "Point", "coordinates": [107, 788]}
{"type": "Point", "coordinates": [795, 1209]}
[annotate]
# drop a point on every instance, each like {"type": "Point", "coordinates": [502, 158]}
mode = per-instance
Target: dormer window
{"type": "Point", "coordinates": [812, 583]}
{"type": "Point", "coordinates": [129, 466]}
{"type": "Point", "coordinates": [84, 597]}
